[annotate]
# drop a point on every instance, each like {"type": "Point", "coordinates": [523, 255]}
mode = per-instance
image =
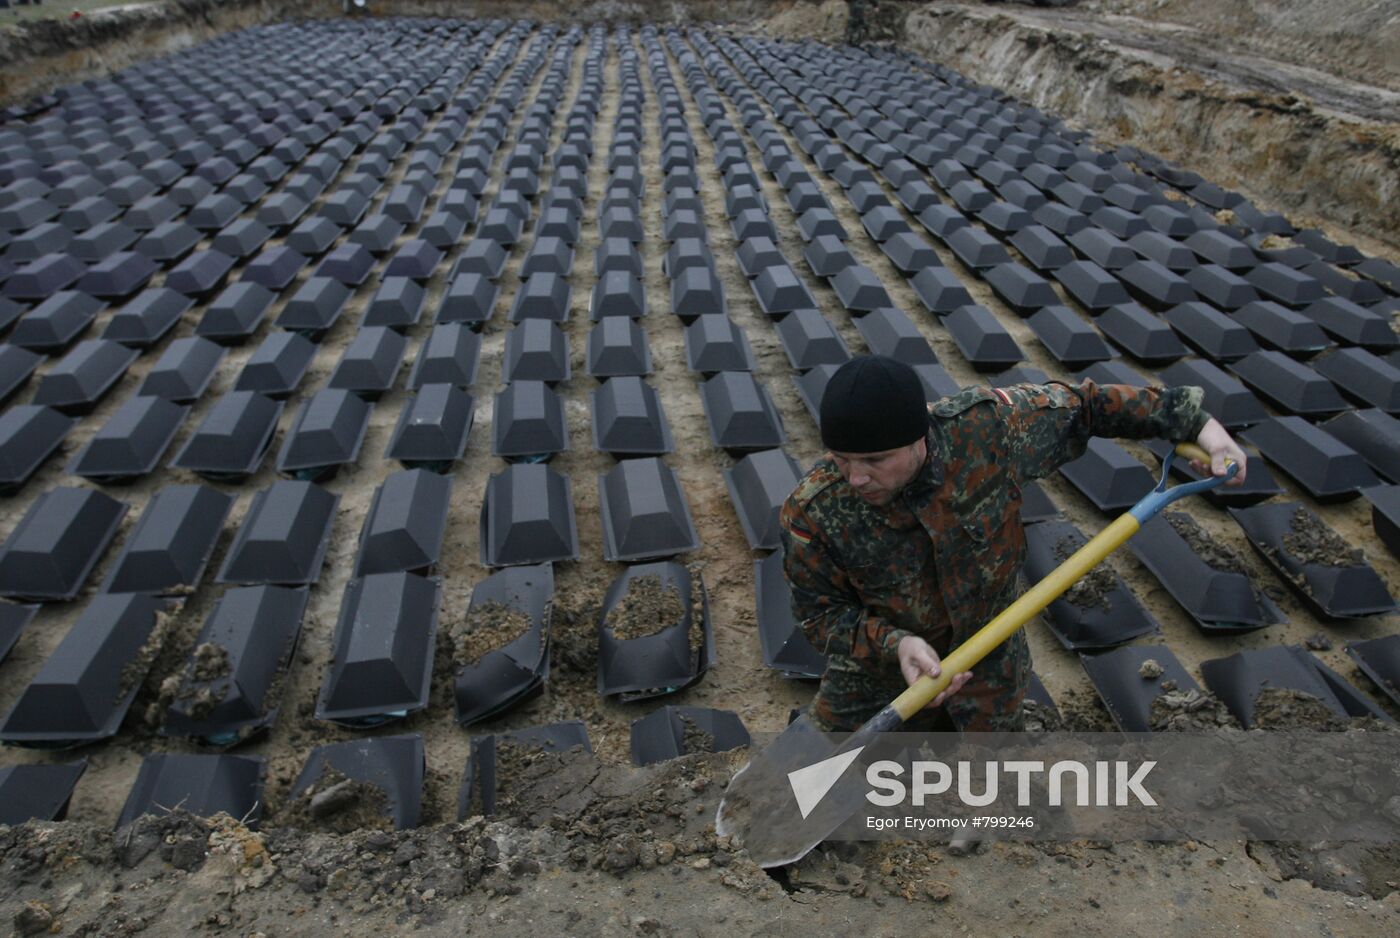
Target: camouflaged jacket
{"type": "Point", "coordinates": [941, 559]}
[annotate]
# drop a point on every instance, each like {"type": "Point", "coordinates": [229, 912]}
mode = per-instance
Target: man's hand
{"type": "Point", "coordinates": [1216, 441]}
{"type": "Point", "coordinates": [917, 658]}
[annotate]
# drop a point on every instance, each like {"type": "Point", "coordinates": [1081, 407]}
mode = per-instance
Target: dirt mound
{"type": "Point", "coordinates": [1274, 130]}
{"type": "Point", "coordinates": [649, 606]}
{"type": "Point", "coordinates": [1282, 708]}
{"type": "Point", "coordinates": [1092, 590]}
{"type": "Point", "coordinates": [614, 817]}
{"type": "Point", "coordinates": [338, 804]}
{"type": "Point", "coordinates": [1359, 39]}
{"type": "Point", "coordinates": [1311, 541]}
{"type": "Point", "coordinates": [1039, 718]}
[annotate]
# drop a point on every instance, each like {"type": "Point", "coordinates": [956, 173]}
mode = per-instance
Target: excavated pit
{"type": "Point", "coordinates": [586, 843]}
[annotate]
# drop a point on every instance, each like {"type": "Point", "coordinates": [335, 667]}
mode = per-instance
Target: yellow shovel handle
{"type": "Point", "coordinates": [1057, 581]}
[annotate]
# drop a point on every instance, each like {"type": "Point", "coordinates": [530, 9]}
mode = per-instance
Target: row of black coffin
{"type": "Point", "coordinates": [205, 785]}
{"type": "Point", "coordinates": [70, 699]}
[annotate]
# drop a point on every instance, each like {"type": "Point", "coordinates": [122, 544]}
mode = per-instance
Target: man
{"type": "Point", "coordinates": [906, 538]}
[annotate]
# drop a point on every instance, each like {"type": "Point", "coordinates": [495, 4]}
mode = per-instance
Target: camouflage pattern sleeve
{"type": "Point", "coordinates": [1049, 425]}
{"type": "Point", "coordinates": [824, 604]}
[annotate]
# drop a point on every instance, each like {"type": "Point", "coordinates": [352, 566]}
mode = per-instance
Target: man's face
{"type": "Point", "coordinates": [878, 477]}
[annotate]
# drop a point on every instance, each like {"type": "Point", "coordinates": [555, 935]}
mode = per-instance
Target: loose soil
{"type": "Point", "coordinates": [1294, 104]}
{"type": "Point", "coordinates": [339, 804]}
{"type": "Point", "coordinates": [695, 739]}
{"type": "Point", "coordinates": [1091, 591]}
{"type": "Point", "coordinates": [1282, 708]}
{"type": "Point", "coordinates": [211, 662]}
{"type": "Point", "coordinates": [485, 628]}
{"type": "Point", "coordinates": [1309, 541]}
{"type": "Point", "coordinates": [650, 605]}
{"type": "Point", "coordinates": [591, 872]}
{"type": "Point", "coordinates": [1185, 711]}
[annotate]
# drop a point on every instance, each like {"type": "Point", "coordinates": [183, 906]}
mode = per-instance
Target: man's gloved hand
{"type": "Point", "coordinates": [1216, 441]}
{"type": "Point", "coordinates": [917, 658]}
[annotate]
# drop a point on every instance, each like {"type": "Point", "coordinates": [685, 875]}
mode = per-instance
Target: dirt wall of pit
{"type": "Point", "coordinates": [1280, 149]}
{"type": "Point", "coordinates": [1358, 39]}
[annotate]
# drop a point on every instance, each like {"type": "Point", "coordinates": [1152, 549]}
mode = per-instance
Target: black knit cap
{"type": "Point", "coordinates": [872, 404]}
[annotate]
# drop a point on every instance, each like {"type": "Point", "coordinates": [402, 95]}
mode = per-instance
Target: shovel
{"type": "Point", "coordinates": [796, 792]}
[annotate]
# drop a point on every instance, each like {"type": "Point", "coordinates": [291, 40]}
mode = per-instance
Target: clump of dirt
{"type": "Point", "coordinates": [616, 817]}
{"type": "Point", "coordinates": [1219, 556]}
{"type": "Point", "coordinates": [1093, 589]}
{"type": "Point", "coordinates": [1179, 711]}
{"type": "Point", "coordinates": [694, 738]}
{"type": "Point", "coordinates": [1038, 718]}
{"type": "Point", "coordinates": [697, 607]}
{"type": "Point", "coordinates": [197, 689]}
{"type": "Point", "coordinates": [1150, 670]}
{"type": "Point", "coordinates": [211, 662]}
{"type": "Point", "coordinates": [1283, 708]}
{"type": "Point", "coordinates": [1318, 641]}
{"type": "Point", "coordinates": [520, 765]}
{"type": "Point", "coordinates": [180, 838]}
{"type": "Point", "coordinates": [650, 605]}
{"type": "Point", "coordinates": [1310, 541]}
{"type": "Point", "coordinates": [485, 628]}
{"type": "Point", "coordinates": [339, 804]}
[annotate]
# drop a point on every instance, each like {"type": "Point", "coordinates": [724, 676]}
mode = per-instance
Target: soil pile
{"type": "Point", "coordinates": [822, 20]}
{"type": "Point", "coordinates": [1220, 556]}
{"type": "Point", "coordinates": [339, 804]}
{"type": "Point", "coordinates": [650, 605]}
{"type": "Point", "coordinates": [694, 738]}
{"type": "Point", "coordinates": [1092, 590]}
{"type": "Point", "coordinates": [1039, 718]}
{"type": "Point", "coordinates": [1185, 711]}
{"type": "Point", "coordinates": [485, 628]}
{"type": "Point", "coordinates": [1282, 708]}
{"type": "Point", "coordinates": [1312, 542]}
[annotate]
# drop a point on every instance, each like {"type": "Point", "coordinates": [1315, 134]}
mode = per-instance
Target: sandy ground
{"type": "Point", "coordinates": [1015, 889]}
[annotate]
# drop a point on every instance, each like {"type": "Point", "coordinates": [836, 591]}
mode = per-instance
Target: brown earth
{"type": "Point", "coordinates": [485, 628]}
{"type": "Point", "coordinates": [511, 876]}
{"type": "Point", "coordinates": [1310, 541]}
{"type": "Point", "coordinates": [649, 606]}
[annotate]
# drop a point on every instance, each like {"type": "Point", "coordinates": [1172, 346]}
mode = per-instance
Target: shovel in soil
{"type": "Point", "coordinates": [795, 793]}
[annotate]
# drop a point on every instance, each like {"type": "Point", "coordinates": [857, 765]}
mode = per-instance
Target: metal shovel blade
{"type": "Point", "coordinates": [792, 795]}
